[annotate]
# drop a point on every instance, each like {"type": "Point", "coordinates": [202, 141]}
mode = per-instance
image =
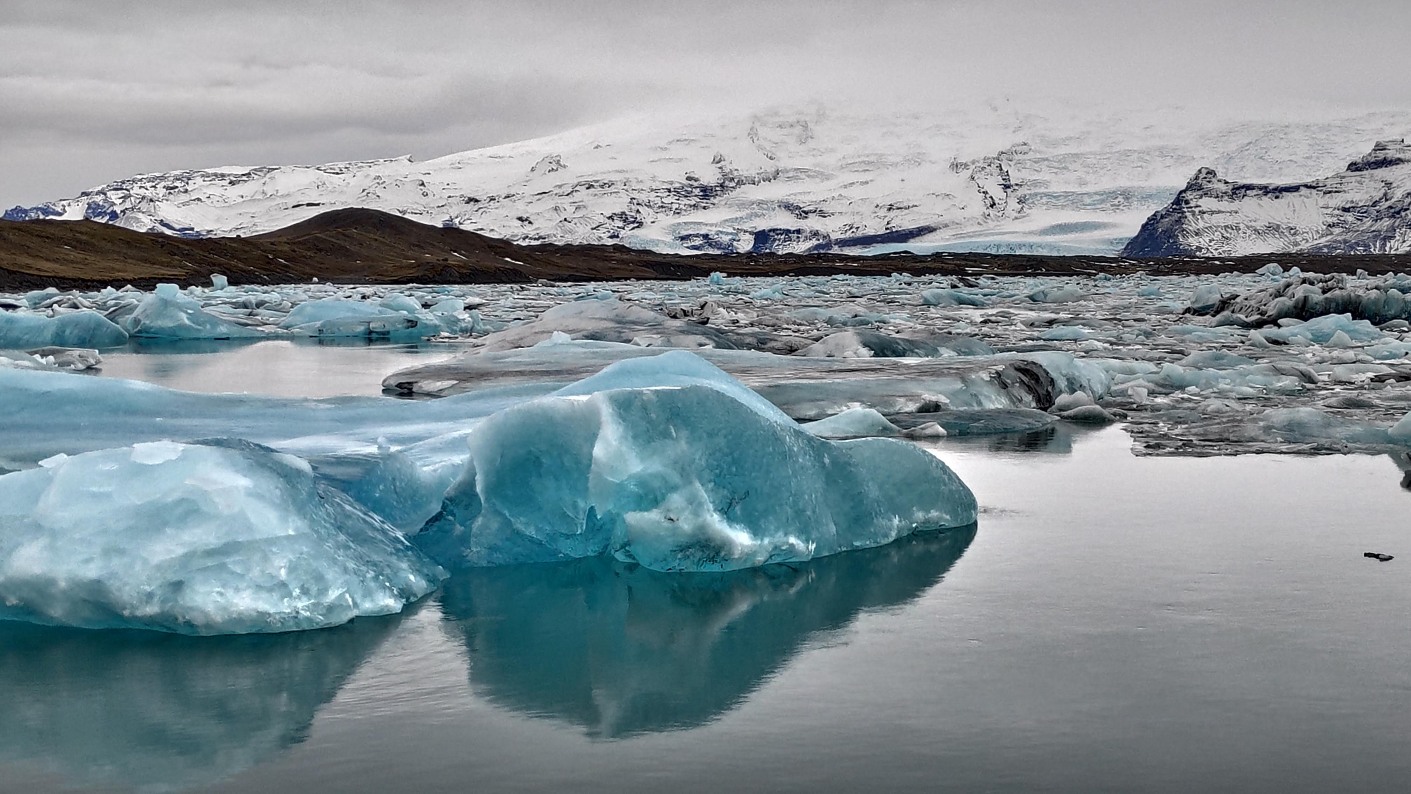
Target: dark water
{"type": "Point", "coordinates": [1114, 624]}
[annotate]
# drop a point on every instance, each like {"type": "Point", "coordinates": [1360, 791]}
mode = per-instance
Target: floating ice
{"type": "Point", "coordinates": [1063, 293]}
{"type": "Point", "coordinates": [607, 321]}
{"type": "Point", "coordinates": [645, 474]}
{"type": "Point", "coordinates": [853, 423]}
{"type": "Point", "coordinates": [951, 297]}
{"type": "Point", "coordinates": [861, 343]}
{"type": "Point", "coordinates": [81, 329]}
{"type": "Point", "coordinates": [196, 540]}
{"type": "Point", "coordinates": [167, 314]}
{"type": "Point", "coordinates": [332, 317]}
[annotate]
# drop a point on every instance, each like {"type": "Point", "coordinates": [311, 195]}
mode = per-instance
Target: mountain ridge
{"type": "Point", "coordinates": [792, 181]}
{"type": "Point", "coordinates": [361, 245]}
{"type": "Point", "coordinates": [1364, 209]}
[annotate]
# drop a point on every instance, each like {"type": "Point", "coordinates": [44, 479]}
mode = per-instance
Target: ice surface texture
{"type": "Point", "coordinates": [167, 314]}
{"type": "Point", "coordinates": [83, 329]}
{"type": "Point", "coordinates": [196, 539]}
{"type": "Point", "coordinates": [234, 537]}
{"type": "Point", "coordinates": [644, 472]}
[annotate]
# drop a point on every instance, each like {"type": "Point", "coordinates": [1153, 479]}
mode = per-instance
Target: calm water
{"type": "Point", "coordinates": [1113, 624]}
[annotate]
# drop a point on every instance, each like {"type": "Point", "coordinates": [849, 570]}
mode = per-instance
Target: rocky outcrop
{"type": "Point", "coordinates": [1365, 209]}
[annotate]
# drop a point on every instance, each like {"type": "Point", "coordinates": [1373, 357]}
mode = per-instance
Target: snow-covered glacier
{"type": "Point", "coordinates": [999, 178]}
{"type": "Point", "coordinates": [1364, 209]}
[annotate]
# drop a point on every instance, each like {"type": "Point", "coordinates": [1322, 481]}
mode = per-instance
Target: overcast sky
{"type": "Point", "coordinates": [93, 91]}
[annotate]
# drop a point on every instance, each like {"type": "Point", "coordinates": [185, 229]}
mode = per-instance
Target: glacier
{"type": "Point", "coordinates": [994, 178]}
{"type": "Point", "coordinates": [1363, 209]}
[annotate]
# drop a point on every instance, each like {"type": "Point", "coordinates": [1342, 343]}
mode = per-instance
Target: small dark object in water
{"type": "Point", "coordinates": [1379, 557]}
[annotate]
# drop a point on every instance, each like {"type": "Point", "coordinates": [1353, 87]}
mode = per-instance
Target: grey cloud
{"type": "Point", "coordinates": [94, 91]}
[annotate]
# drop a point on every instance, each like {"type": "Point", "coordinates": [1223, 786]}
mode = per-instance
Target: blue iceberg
{"type": "Point", "coordinates": [331, 317]}
{"type": "Point", "coordinates": [82, 329]}
{"type": "Point", "coordinates": [120, 515]}
{"type": "Point", "coordinates": [222, 538]}
{"type": "Point", "coordinates": [644, 471]}
{"type": "Point", "coordinates": [167, 314]}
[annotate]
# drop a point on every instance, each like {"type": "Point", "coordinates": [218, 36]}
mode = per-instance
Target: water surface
{"type": "Point", "coordinates": [1114, 623]}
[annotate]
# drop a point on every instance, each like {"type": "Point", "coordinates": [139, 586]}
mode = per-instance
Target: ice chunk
{"type": "Point", "coordinates": [1309, 425]}
{"type": "Point", "coordinates": [219, 282]}
{"type": "Point", "coordinates": [866, 344]}
{"type": "Point", "coordinates": [1065, 333]}
{"type": "Point", "coordinates": [645, 474]}
{"type": "Point", "coordinates": [1324, 330]}
{"type": "Point", "coordinates": [167, 314]}
{"type": "Point", "coordinates": [195, 539]}
{"type": "Point", "coordinates": [974, 422]}
{"type": "Point", "coordinates": [1088, 414]}
{"type": "Point", "coordinates": [951, 297]}
{"type": "Point", "coordinates": [853, 423]}
{"type": "Point", "coordinates": [317, 311]}
{"type": "Point", "coordinates": [1205, 299]}
{"type": "Point", "coordinates": [332, 317]}
{"type": "Point", "coordinates": [81, 329]}
{"type": "Point", "coordinates": [1064, 293]}
{"type": "Point", "coordinates": [607, 321]}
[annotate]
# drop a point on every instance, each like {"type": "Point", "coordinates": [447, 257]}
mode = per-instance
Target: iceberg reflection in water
{"type": "Point", "coordinates": [621, 650]}
{"type": "Point", "coordinates": [146, 709]}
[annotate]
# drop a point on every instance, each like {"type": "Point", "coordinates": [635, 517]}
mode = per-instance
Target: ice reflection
{"type": "Point", "coordinates": [1403, 462]}
{"type": "Point", "coordinates": [620, 650]}
{"type": "Point", "coordinates": [152, 710]}
{"type": "Point", "coordinates": [1056, 439]}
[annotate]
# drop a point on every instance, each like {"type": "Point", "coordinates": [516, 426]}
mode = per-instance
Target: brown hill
{"type": "Point", "coordinates": [369, 246]}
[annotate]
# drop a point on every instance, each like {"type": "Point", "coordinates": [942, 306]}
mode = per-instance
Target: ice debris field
{"type": "Point", "coordinates": [684, 427]}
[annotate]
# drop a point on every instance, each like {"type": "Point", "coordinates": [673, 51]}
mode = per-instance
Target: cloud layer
{"type": "Point", "coordinates": [97, 91]}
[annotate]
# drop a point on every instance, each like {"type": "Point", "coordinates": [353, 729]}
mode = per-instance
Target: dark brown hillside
{"type": "Point", "coordinates": [369, 246]}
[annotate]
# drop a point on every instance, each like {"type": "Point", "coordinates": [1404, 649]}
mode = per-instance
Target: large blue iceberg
{"type": "Point", "coordinates": [196, 539]}
{"type": "Point", "coordinates": [120, 515]}
{"type": "Point", "coordinates": [670, 463]}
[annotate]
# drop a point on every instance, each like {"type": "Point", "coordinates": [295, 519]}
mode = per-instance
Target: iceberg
{"type": "Point", "coordinates": [332, 317]}
{"type": "Point", "coordinates": [853, 423]}
{"type": "Point", "coordinates": [608, 320]}
{"type": "Point", "coordinates": [219, 538]}
{"type": "Point", "coordinates": [167, 314]}
{"type": "Point", "coordinates": [642, 472]}
{"type": "Point", "coordinates": [80, 329]}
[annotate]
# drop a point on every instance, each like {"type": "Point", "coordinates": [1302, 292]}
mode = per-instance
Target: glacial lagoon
{"type": "Point", "coordinates": [1115, 621]}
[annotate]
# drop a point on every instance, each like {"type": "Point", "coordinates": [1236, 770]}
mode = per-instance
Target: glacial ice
{"type": "Point", "coordinates": [81, 329]}
{"type": "Point", "coordinates": [196, 539]}
{"type": "Point", "coordinates": [333, 317]}
{"type": "Point", "coordinates": [853, 423]}
{"type": "Point", "coordinates": [1272, 340]}
{"type": "Point", "coordinates": [167, 314]}
{"type": "Point", "coordinates": [645, 475]}
{"type": "Point", "coordinates": [607, 321]}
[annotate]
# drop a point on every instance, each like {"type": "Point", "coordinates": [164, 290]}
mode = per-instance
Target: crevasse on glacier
{"type": "Point", "coordinates": [229, 536]}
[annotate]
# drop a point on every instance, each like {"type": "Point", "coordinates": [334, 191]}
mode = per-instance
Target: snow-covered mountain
{"type": "Point", "coordinates": [996, 178]}
{"type": "Point", "coordinates": [1365, 209]}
